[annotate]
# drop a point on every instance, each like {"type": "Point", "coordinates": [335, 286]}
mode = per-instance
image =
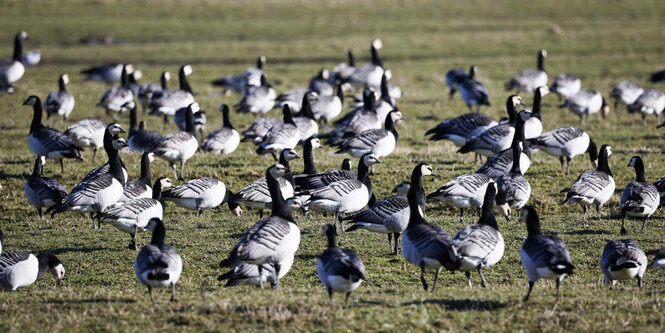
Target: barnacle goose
{"type": "Point", "coordinates": [140, 139]}
{"type": "Point", "coordinates": [140, 188]}
{"type": "Point", "coordinates": [480, 245]}
{"type": "Point", "coordinates": [166, 102]}
{"type": "Point", "coordinates": [380, 142]}
{"type": "Point", "coordinates": [88, 133]}
{"type": "Point", "coordinates": [640, 198]}
{"type": "Point", "coordinates": [473, 92]}
{"type": "Point", "coordinates": [293, 98]}
{"type": "Point", "coordinates": [501, 163]}
{"type": "Point", "coordinates": [281, 136]}
{"type": "Point", "coordinates": [109, 73]}
{"type": "Point", "coordinates": [305, 121]}
{"type": "Point", "coordinates": [327, 107]}
{"type": "Point", "coordinates": [586, 102]}
{"type": "Point", "coordinates": [461, 128]}
{"type": "Point", "coordinates": [343, 70]}
{"type": "Point", "coordinates": [402, 188]}
{"type": "Point", "coordinates": [200, 194]}
{"type": "Point", "coordinates": [390, 215]}
{"type": "Point", "coordinates": [11, 70]}
{"type": "Point", "coordinates": [623, 259]}
{"type": "Point", "coordinates": [114, 98]}
{"type": "Point", "coordinates": [323, 179]}
{"type": "Point", "coordinates": [514, 189]}
{"type": "Point", "coordinates": [179, 146]}
{"type": "Point", "coordinates": [369, 74]}
{"type": "Point", "coordinates": [625, 92]}
{"type": "Point", "coordinates": [454, 78]}
{"type": "Point", "coordinates": [200, 120]}
{"type": "Point", "coordinates": [21, 268]}
{"type": "Point", "coordinates": [134, 84]}
{"type": "Point", "coordinates": [45, 141]}
{"type": "Point", "coordinates": [321, 84]}
{"type": "Point", "coordinates": [566, 142]}
{"type": "Point", "coordinates": [371, 114]}
{"type": "Point", "coordinates": [238, 82]}
{"type": "Point", "coordinates": [147, 90]}
{"type": "Point", "coordinates": [248, 274]}
{"type": "Point", "coordinates": [111, 132]}
{"type": "Point", "coordinates": [272, 240]}
{"type": "Point", "coordinates": [42, 192]}
{"type": "Point", "coordinates": [32, 58]}
{"type": "Point", "coordinates": [533, 127]}
{"type": "Point", "coordinates": [464, 191]}
{"type": "Point", "coordinates": [158, 264]}
{"type": "Point", "coordinates": [659, 258]}
{"type": "Point", "coordinates": [657, 77]}
{"type": "Point", "coordinates": [224, 140]}
{"type": "Point", "coordinates": [340, 270]}
{"type": "Point", "coordinates": [426, 245]}
{"type": "Point", "coordinates": [593, 187]}
{"type": "Point", "coordinates": [660, 185]}
{"type": "Point", "coordinates": [308, 157]}
{"type": "Point", "coordinates": [134, 216]}
{"type": "Point", "coordinates": [650, 102]}
{"type": "Point", "coordinates": [543, 257]}
{"type": "Point", "coordinates": [566, 85]}
{"type": "Point", "coordinates": [258, 129]}
{"type": "Point", "coordinates": [530, 79]}
{"type": "Point", "coordinates": [60, 102]}
{"type": "Point", "coordinates": [257, 99]}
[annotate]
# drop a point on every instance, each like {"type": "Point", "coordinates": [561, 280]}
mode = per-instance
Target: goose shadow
{"type": "Point", "coordinates": [462, 304]}
{"type": "Point", "coordinates": [17, 162]}
{"type": "Point", "coordinates": [306, 256]}
{"type": "Point", "coordinates": [586, 232]}
{"type": "Point", "coordinates": [91, 301]}
{"type": "Point", "coordinates": [81, 250]}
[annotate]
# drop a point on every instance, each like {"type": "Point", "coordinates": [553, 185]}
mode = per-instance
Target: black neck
{"type": "Point", "coordinates": [184, 84]}
{"type": "Point", "coordinates": [133, 125]}
{"type": "Point", "coordinates": [533, 223]}
{"type": "Point", "coordinates": [36, 116]}
{"type": "Point", "coordinates": [603, 163]}
{"type": "Point", "coordinates": [164, 81]}
{"type": "Point", "coordinates": [259, 63]}
{"type": "Point", "coordinates": [189, 122]}
{"type": "Point", "coordinates": [487, 212]}
{"type": "Point", "coordinates": [520, 137]}
{"type": "Point", "coordinates": [517, 153]}
{"type": "Point", "coordinates": [124, 78]}
{"type": "Point", "coordinates": [346, 164]}
{"type": "Point", "coordinates": [145, 168]}
{"type": "Point", "coordinates": [279, 206]}
{"type": "Point", "coordinates": [541, 61]}
{"type": "Point", "coordinates": [226, 118]}
{"type": "Point", "coordinates": [351, 59]}
{"type": "Point", "coordinates": [363, 175]}
{"type": "Point", "coordinates": [283, 161]}
{"type": "Point", "coordinates": [157, 190]}
{"type": "Point", "coordinates": [331, 236]}
{"type": "Point", "coordinates": [340, 93]}
{"type": "Point", "coordinates": [385, 94]}
{"type": "Point", "coordinates": [158, 234]}
{"type": "Point", "coordinates": [306, 109]}
{"type": "Point", "coordinates": [62, 84]}
{"type": "Point", "coordinates": [592, 150]}
{"type": "Point", "coordinates": [43, 260]}
{"type": "Point", "coordinates": [287, 117]}
{"type": "Point", "coordinates": [18, 49]}
{"type": "Point", "coordinates": [512, 111]}
{"type": "Point", "coordinates": [416, 198]}
{"type": "Point", "coordinates": [390, 125]}
{"type": "Point", "coordinates": [132, 78]}
{"type": "Point", "coordinates": [308, 157]}
{"type": "Point", "coordinates": [472, 73]}
{"type": "Point", "coordinates": [37, 170]}
{"type": "Point", "coordinates": [115, 166]}
{"type": "Point", "coordinates": [537, 98]}
{"type": "Point", "coordinates": [639, 170]}
{"type": "Point", "coordinates": [375, 57]}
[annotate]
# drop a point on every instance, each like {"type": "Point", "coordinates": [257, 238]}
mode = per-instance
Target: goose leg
{"type": "Point", "coordinates": [561, 160]}
{"type": "Point", "coordinates": [346, 300]}
{"type": "Point", "coordinates": [616, 105]}
{"type": "Point", "coordinates": [276, 277]}
{"type": "Point", "coordinates": [526, 298]}
{"type": "Point", "coordinates": [182, 169]}
{"type": "Point", "coordinates": [173, 299]}
{"type": "Point", "coordinates": [166, 121]}
{"type": "Point", "coordinates": [644, 119]}
{"type": "Point", "coordinates": [644, 223]}
{"type": "Point", "coordinates": [390, 242]}
{"type": "Point", "coordinates": [260, 214]}
{"type": "Point", "coordinates": [482, 277]}
{"type": "Point", "coordinates": [451, 94]}
{"type": "Point", "coordinates": [396, 243]}
{"type": "Point", "coordinates": [436, 278]}
{"type": "Point", "coordinates": [94, 154]}
{"type": "Point", "coordinates": [422, 276]}
{"type": "Point", "coordinates": [152, 299]}
{"type": "Point", "coordinates": [330, 295]}
{"type": "Point", "coordinates": [623, 225]}
{"type": "Point", "coordinates": [567, 165]}
{"type": "Point", "coordinates": [62, 165]}
{"type": "Point", "coordinates": [41, 214]}
{"type": "Point", "coordinates": [639, 282]}
{"type": "Point", "coordinates": [558, 286]}
{"type": "Point", "coordinates": [468, 278]}
{"type": "Point", "coordinates": [583, 212]}
{"type": "Point", "coordinates": [461, 215]}
{"type": "Point", "coordinates": [132, 244]}
{"type": "Point", "coordinates": [260, 276]}
{"type": "Point", "coordinates": [175, 170]}
{"type": "Point", "coordinates": [92, 217]}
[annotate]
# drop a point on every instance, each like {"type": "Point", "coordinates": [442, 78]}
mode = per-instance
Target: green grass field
{"type": "Point", "coordinates": [602, 42]}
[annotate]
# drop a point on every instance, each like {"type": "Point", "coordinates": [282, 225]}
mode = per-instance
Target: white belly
{"type": "Point", "coordinates": [15, 72]}
{"type": "Point", "coordinates": [22, 274]}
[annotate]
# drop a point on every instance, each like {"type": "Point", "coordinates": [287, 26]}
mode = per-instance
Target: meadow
{"type": "Point", "coordinates": [603, 42]}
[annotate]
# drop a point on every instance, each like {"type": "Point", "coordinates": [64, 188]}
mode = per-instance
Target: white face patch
{"type": "Point", "coordinates": [115, 129]}
{"type": "Point", "coordinates": [151, 157]}
{"type": "Point", "coordinates": [517, 100]}
{"type": "Point", "coordinates": [377, 44]}
{"type": "Point", "coordinates": [129, 68]}
{"type": "Point", "coordinates": [420, 211]}
{"type": "Point", "coordinates": [237, 211]}
{"type": "Point", "coordinates": [388, 73]}
{"type": "Point", "coordinates": [138, 74]}
{"type": "Point", "coordinates": [505, 210]}
{"type": "Point", "coordinates": [609, 151]}
{"type": "Point", "coordinates": [31, 101]}
{"type": "Point", "coordinates": [167, 76]}
{"type": "Point", "coordinates": [632, 162]}
{"type": "Point", "coordinates": [543, 52]}
{"type": "Point", "coordinates": [544, 90]}
{"type": "Point", "coordinates": [165, 183]}
{"type": "Point", "coordinates": [42, 160]}
{"type": "Point", "coordinates": [58, 272]}
{"type": "Point", "coordinates": [195, 107]}
{"type": "Point", "coordinates": [188, 69]}
{"type": "Point", "coordinates": [65, 78]}
{"type": "Point", "coordinates": [119, 143]}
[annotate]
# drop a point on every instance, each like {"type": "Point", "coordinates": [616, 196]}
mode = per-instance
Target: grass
{"type": "Point", "coordinates": [602, 42]}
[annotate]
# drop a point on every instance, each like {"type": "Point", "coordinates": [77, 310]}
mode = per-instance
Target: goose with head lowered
{"type": "Point", "coordinates": [623, 259]}
{"type": "Point", "coordinates": [11, 70]}
{"type": "Point", "coordinates": [148, 90]}
{"type": "Point", "coordinates": [566, 142]}
{"type": "Point", "coordinates": [426, 245]}
{"type": "Point", "coordinates": [659, 258]}
{"type": "Point", "coordinates": [45, 141]}
{"type": "Point", "coordinates": [257, 99]}
{"type": "Point", "coordinates": [465, 191]}
{"type": "Point", "coordinates": [625, 92]}
{"type": "Point", "coordinates": [248, 274]}
{"type": "Point", "coordinates": [473, 92]}
{"type": "Point", "coordinates": [593, 187]}
{"type": "Point", "coordinates": [88, 133]}
{"type": "Point", "coordinates": [566, 85]}
{"type": "Point", "coordinates": [639, 199]}
{"type": "Point", "coordinates": [340, 270]}
{"type": "Point", "coordinates": [140, 188]}
{"type": "Point", "coordinates": [140, 139]}
{"type": "Point", "coordinates": [108, 73]}
{"type": "Point", "coordinates": [502, 162]}
{"type": "Point", "coordinates": [166, 102]}
{"type": "Point", "coordinates": [43, 192]}
{"type": "Point", "coordinates": [114, 98]}
{"type": "Point", "coordinates": [319, 180]}
{"type": "Point", "coordinates": [281, 136]}
{"type": "Point", "coordinates": [180, 146]}
{"type": "Point", "coordinates": [586, 102]}
{"type": "Point", "coordinates": [60, 102]}
{"type": "Point", "coordinates": [454, 77]}
{"type": "Point", "coordinates": [380, 142]}
{"type": "Point", "coordinates": [200, 194]}
{"type": "Point", "coordinates": [514, 189]}
{"type": "Point", "coordinates": [158, 264]}
{"type": "Point", "coordinates": [273, 240]}
{"type": "Point", "coordinates": [21, 268]}
{"type": "Point", "coordinates": [239, 82]}
{"type": "Point", "coordinates": [225, 140]}
{"type": "Point", "coordinates": [461, 128]}
{"type": "Point", "coordinates": [530, 79]}
{"type": "Point", "coordinates": [306, 122]}
{"type": "Point", "coordinates": [650, 102]}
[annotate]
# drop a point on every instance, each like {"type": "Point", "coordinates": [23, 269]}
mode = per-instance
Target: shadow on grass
{"type": "Point", "coordinates": [82, 250]}
{"type": "Point", "coordinates": [462, 304]}
{"type": "Point", "coordinates": [91, 300]}
{"type": "Point", "coordinates": [586, 232]}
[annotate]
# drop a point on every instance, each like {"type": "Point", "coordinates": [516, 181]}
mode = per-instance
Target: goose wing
{"type": "Point", "coordinates": [497, 165]}
{"type": "Point", "coordinates": [464, 185]}
{"type": "Point", "coordinates": [548, 251]}
{"type": "Point", "coordinates": [11, 258]}
{"type": "Point", "coordinates": [431, 241]}
{"type": "Point", "coordinates": [47, 188]}
{"type": "Point", "coordinates": [477, 241]}
{"type": "Point", "coordinates": [217, 139]}
{"type": "Point", "coordinates": [280, 133]}
{"type": "Point", "coordinates": [463, 125]}
{"type": "Point", "coordinates": [260, 241]}
{"type": "Point", "coordinates": [52, 140]}
{"type": "Point", "coordinates": [557, 138]}
{"type": "Point", "coordinates": [381, 211]}
{"type": "Point", "coordinates": [619, 252]}
{"type": "Point", "coordinates": [590, 184]}
{"type": "Point", "coordinates": [639, 194]}
{"type": "Point", "coordinates": [193, 188]}
{"type": "Point", "coordinates": [337, 190]}
{"type": "Point", "coordinates": [324, 179]}
{"type": "Point", "coordinates": [343, 262]}
{"type": "Point", "coordinates": [86, 194]}
{"type": "Point", "coordinates": [159, 259]}
{"type": "Point", "coordinates": [173, 141]}
{"type": "Point", "coordinates": [365, 140]}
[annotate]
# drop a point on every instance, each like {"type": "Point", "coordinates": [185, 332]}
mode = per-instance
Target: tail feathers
{"type": "Point", "coordinates": [465, 149]}
{"type": "Point", "coordinates": [625, 265]}
{"type": "Point", "coordinates": [219, 82]}
{"type": "Point", "coordinates": [510, 85]}
{"type": "Point", "coordinates": [657, 77]}
{"type": "Point", "coordinates": [56, 209]}
{"type": "Point", "coordinates": [562, 268]}
{"type": "Point", "coordinates": [228, 262]}
{"type": "Point", "coordinates": [633, 207]}
{"type": "Point", "coordinates": [262, 150]}
{"type": "Point", "coordinates": [158, 276]}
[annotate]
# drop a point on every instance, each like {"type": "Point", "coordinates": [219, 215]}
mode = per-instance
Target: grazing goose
{"type": "Point", "coordinates": [464, 191]}
{"type": "Point", "coordinates": [461, 128]}
{"type": "Point", "coordinates": [11, 70]}
{"type": "Point", "coordinates": [402, 188]}
{"type": "Point", "coordinates": [238, 82]}
{"type": "Point", "coordinates": [140, 188]}
{"type": "Point", "coordinates": [340, 270]}
{"type": "Point", "coordinates": [180, 146]}
{"type": "Point", "coordinates": [566, 142]}
{"type": "Point", "coordinates": [543, 257]}
{"type": "Point", "coordinates": [426, 245]}
{"type": "Point", "coordinates": [257, 99]}
{"type": "Point", "coordinates": [343, 70]}
{"type": "Point", "coordinates": [586, 102]}
{"type": "Point", "coordinates": [140, 139]}
{"type": "Point", "coordinates": [20, 268]}
{"type": "Point", "coordinates": [480, 245]}
{"type": "Point", "coordinates": [454, 78]}
{"type": "Point", "coordinates": [650, 102]}
{"type": "Point", "coordinates": [324, 179]}
{"type": "Point", "coordinates": [114, 98]}
{"type": "Point", "coordinates": [473, 92]}
{"type": "Point", "coordinates": [321, 83]}
{"type": "Point", "coordinates": [660, 185]}
{"type": "Point", "coordinates": [158, 264]}
{"type": "Point", "coordinates": [390, 215]}
{"type": "Point", "coordinates": [658, 260]}
{"type": "Point", "coordinates": [566, 85]}
{"type": "Point", "coordinates": [109, 73]}
{"type": "Point", "coordinates": [200, 194]}
{"type": "Point", "coordinates": [225, 140]}
{"type": "Point", "coordinates": [273, 240]}
{"type": "Point", "coordinates": [87, 133]}
{"type": "Point", "coordinates": [111, 132]}
{"type": "Point", "coordinates": [369, 74]}
{"type": "Point", "coordinates": [200, 120]}
{"type": "Point", "coordinates": [147, 90]}
{"type": "Point", "coordinates": [45, 141]}
{"type": "Point", "coordinates": [293, 98]}
{"type": "Point", "coordinates": [42, 192]}
{"type": "Point", "coordinates": [502, 162]}
{"type": "Point", "coordinates": [623, 260]}
{"type": "Point", "coordinates": [380, 142]}
{"type": "Point", "coordinates": [625, 92]}
{"type": "Point", "coordinates": [248, 274]}
{"type": "Point", "coordinates": [514, 188]}
{"type": "Point", "coordinates": [258, 129]}
{"type": "Point", "coordinates": [533, 127]}
{"type": "Point", "coordinates": [593, 187]}
{"type": "Point", "coordinates": [530, 79]}
{"type": "Point", "coordinates": [134, 215]}
{"type": "Point", "coordinates": [60, 102]}
{"type": "Point", "coordinates": [167, 102]}
{"type": "Point", "coordinates": [657, 77]}
{"type": "Point", "coordinates": [281, 136]}
{"type": "Point", "coordinates": [640, 198]}
{"type": "Point", "coordinates": [327, 107]}
{"type": "Point", "coordinates": [306, 122]}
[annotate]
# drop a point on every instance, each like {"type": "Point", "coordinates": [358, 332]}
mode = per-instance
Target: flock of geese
{"type": "Point", "coordinates": [368, 132]}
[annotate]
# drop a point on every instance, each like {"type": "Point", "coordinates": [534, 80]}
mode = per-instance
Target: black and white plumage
{"type": "Point", "coordinates": [281, 136]}
{"type": "Point", "coordinates": [626, 92]}
{"type": "Point", "coordinates": [502, 162]}
{"type": "Point", "coordinates": [158, 264]}
{"type": "Point", "coordinates": [45, 141]}
{"type": "Point", "coordinates": [454, 78]}
{"type": "Point", "coordinates": [345, 69]}
{"type": "Point", "coordinates": [147, 90]}
{"type": "Point", "coordinates": [623, 260]}
{"type": "Point", "coordinates": [60, 102]}
{"type": "Point", "coordinates": [114, 98]}
{"type": "Point", "coordinates": [110, 133]}
{"type": "Point", "coordinates": [140, 139]}
{"type": "Point", "coordinates": [533, 127]}
{"type": "Point", "coordinates": [239, 82]}
{"type": "Point", "coordinates": [640, 198]}
{"type": "Point", "coordinates": [293, 98]}
{"type": "Point", "coordinates": [380, 142]}
{"type": "Point", "coordinates": [42, 192]}
{"type": "Point", "coordinates": [402, 188]}
{"type": "Point", "coordinates": [21, 268]}
{"type": "Point", "coordinates": [566, 142]}
{"type": "Point", "coordinates": [369, 74]}
{"type": "Point", "coordinates": [140, 188]}
{"type": "Point", "coordinates": [200, 120]}
{"type": "Point", "coordinates": [473, 92]}
{"type": "Point", "coordinates": [327, 107]}
{"type": "Point", "coordinates": [32, 58]}
{"type": "Point", "coordinates": [305, 121]}
{"type": "Point", "coordinates": [321, 83]}
{"type": "Point", "coordinates": [12, 69]}
{"type": "Point", "coordinates": [593, 187]}
{"type": "Point", "coordinates": [108, 73]}
{"type": "Point", "coordinates": [87, 133]}
{"type": "Point", "coordinates": [225, 140]}
{"type": "Point", "coordinates": [543, 257]}
{"type": "Point", "coordinates": [660, 186]}
{"type": "Point", "coordinates": [463, 191]}
{"type": "Point", "coordinates": [323, 179]}
{"type": "Point", "coordinates": [480, 245]}
{"type": "Point", "coordinates": [201, 194]}
{"type": "Point", "coordinates": [514, 189]}
{"type": "Point", "coordinates": [426, 245]}
{"type": "Point", "coordinates": [258, 129]}
{"type": "Point", "coordinates": [650, 102]}
{"type": "Point", "coordinates": [273, 240]}
{"type": "Point", "coordinates": [257, 99]}
{"type": "Point", "coordinates": [659, 258]}
{"type": "Point", "coordinates": [530, 79]}
{"type": "Point", "coordinates": [166, 102]}
{"type": "Point", "coordinates": [586, 102]}
{"type": "Point", "coordinates": [180, 146]}
{"type": "Point", "coordinates": [308, 157]}
{"type": "Point", "coordinates": [248, 274]}
{"type": "Point", "coordinates": [461, 128]}
{"type": "Point", "coordinates": [566, 85]}
{"type": "Point", "coordinates": [371, 114]}
{"type": "Point", "coordinates": [340, 270]}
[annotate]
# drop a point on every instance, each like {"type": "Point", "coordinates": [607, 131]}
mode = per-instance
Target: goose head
{"type": "Point", "coordinates": [294, 203]}
{"type": "Point", "coordinates": [543, 90]}
{"type": "Point", "coordinates": [526, 114]}
{"type": "Point", "coordinates": [501, 204]}
{"type": "Point", "coordinates": [53, 263]}
{"type": "Point", "coordinates": [517, 100]}
{"type": "Point", "coordinates": [634, 161]}
{"type": "Point", "coordinates": [31, 100]}
{"type": "Point", "coordinates": [166, 76]}
{"type": "Point", "coordinates": [165, 183]}
{"type": "Point", "coordinates": [114, 129]}
{"type": "Point", "coordinates": [129, 105]}
{"type": "Point", "coordinates": [186, 69]}
{"type": "Point", "coordinates": [377, 44]}
{"type": "Point", "coordinates": [370, 159]}
{"type": "Point", "coordinates": [21, 35]}
{"type": "Point", "coordinates": [290, 154]}
{"type": "Point", "coordinates": [119, 143]}
{"type": "Point", "coordinates": [277, 171]}
{"type": "Point", "coordinates": [426, 170]}
{"type": "Point", "coordinates": [64, 78]}
{"type": "Point", "coordinates": [151, 158]}
{"type": "Point", "coordinates": [315, 142]}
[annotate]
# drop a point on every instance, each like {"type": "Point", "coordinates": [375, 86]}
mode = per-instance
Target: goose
{"type": "Point", "coordinates": [625, 92]}
{"type": "Point", "coordinates": [514, 189]}
{"type": "Point", "coordinates": [200, 120]}
{"type": "Point", "coordinates": [566, 142]}
{"type": "Point", "coordinates": [293, 98]}
{"type": "Point", "coordinates": [593, 187]}
{"type": "Point", "coordinates": [464, 191]}
{"type": "Point", "coordinates": [134, 216]}
{"type": "Point", "coordinates": [1, 240]}
{"type": "Point", "coordinates": [257, 99]}
{"type": "Point", "coordinates": [147, 90]}
{"type": "Point", "coordinates": [139, 188]}
{"type": "Point", "coordinates": [480, 245]}
{"type": "Point", "coordinates": [133, 79]}
{"type": "Point", "coordinates": [327, 107]}
{"type": "Point", "coordinates": [390, 215]}
{"type": "Point", "coordinates": [660, 185]}
{"type": "Point", "coordinates": [542, 256]}
{"type": "Point", "coordinates": [566, 85]}
{"type": "Point", "coordinates": [324, 179]}
{"type": "Point", "coordinates": [340, 270]}
{"type": "Point", "coordinates": [248, 274]}
{"type": "Point", "coordinates": [88, 133]}
{"type": "Point", "coordinates": [201, 194]}
{"type": "Point", "coordinates": [306, 122]}
{"type": "Point", "coordinates": [640, 198]}
{"type": "Point", "coordinates": [225, 140]}
{"type": "Point", "coordinates": [140, 139]}
{"type": "Point", "coordinates": [308, 157]}
{"type": "Point", "coordinates": [369, 74]}
{"type": "Point", "coordinates": [586, 102]}
{"type": "Point", "coordinates": [658, 260]}
{"type": "Point", "coordinates": [623, 260]}
{"type": "Point", "coordinates": [454, 78]}
{"type": "Point", "coordinates": [166, 102]}
{"type": "Point", "coordinates": [650, 102]}
{"type": "Point", "coordinates": [461, 128]}
{"type": "Point", "coordinates": [345, 196]}
{"type": "Point", "coordinates": [533, 127]}
{"type": "Point", "coordinates": [281, 136]}
{"type": "Point", "coordinates": [343, 70]}
{"type": "Point", "coordinates": [60, 102]}
{"type": "Point", "coordinates": [11, 70]}
{"type": "Point", "coordinates": [45, 141]}
{"type": "Point", "coordinates": [42, 192]}
{"type": "Point", "coordinates": [258, 129]}
{"type": "Point", "coordinates": [530, 79]}
{"type": "Point", "coordinates": [502, 162]}
{"type": "Point", "coordinates": [21, 268]}
{"type": "Point", "coordinates": [114, 98]}
{"type": "Point", "coordinates": [110, 133]}
{"type": "Point", "coordinates": [32, 58]}
{"type": "Point", "coordinates": [158, 264]}
{"type": "Point", "coordinates": [426, 245]}
{"type": "Point", "coordinates": [321, 84]}
{"type": "Point", "coordinates": [380, 142]}
{"type": "Point", "coordinates": [657, 77]}
{"type": "Point", "coordinates": [371, 114]}
{"type": "Point", "coordinates": [402, 188]}
{"type": "Point", "coordinates": [238, 82]}
{"type": "Point", "coordinates": [179, 146]}
{"type": "Point", "coordinates": [108, 73]}
{"type": "Point", "coordinates": [473, 92]}
{"type": "Point", "coordinates": [273, 240]}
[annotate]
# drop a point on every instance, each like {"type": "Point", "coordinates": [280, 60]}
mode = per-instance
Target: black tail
{"type": "Point", "coordinates": [219, 82]}
{"type": "Point", "coordinates": [657, 76]}
{"type": "Point", "coordinates": [56, 209]}
{"type": "Point", "coordinates": [625, 265]}
{"type": "Point", "coordinates": [562, 268]}
{"type": "Point", "coordinates": [159, 276]}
